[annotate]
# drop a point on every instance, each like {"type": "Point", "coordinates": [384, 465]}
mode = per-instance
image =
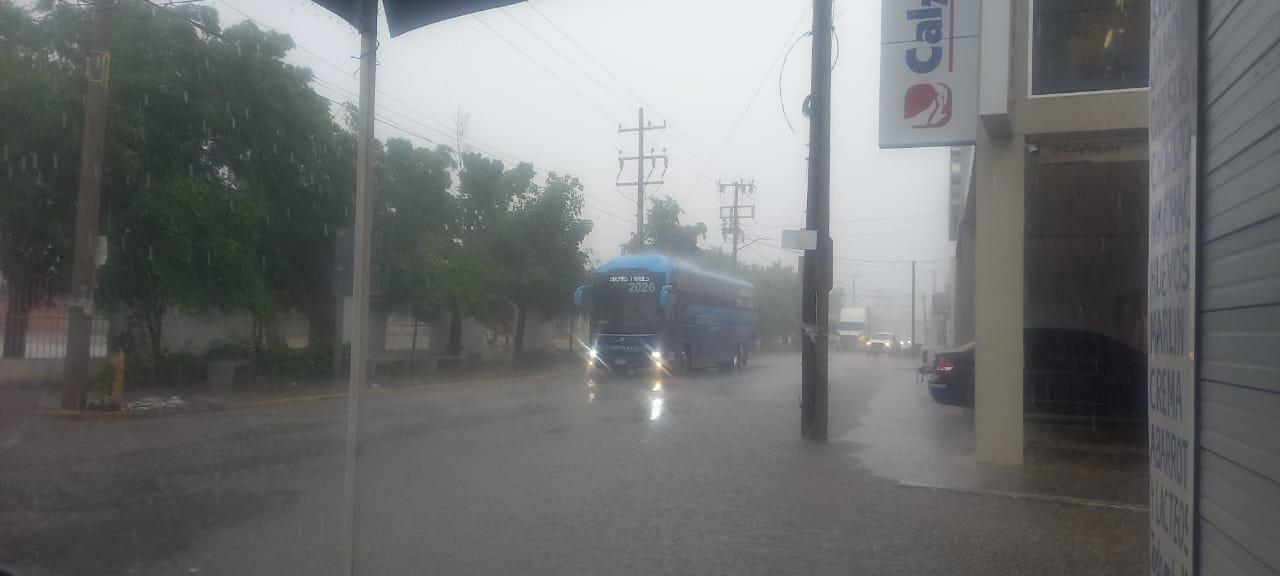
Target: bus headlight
{"type": "Point", "coordinates": [591, 353]}
{"type": "Point", "coordinates": [656, 354]}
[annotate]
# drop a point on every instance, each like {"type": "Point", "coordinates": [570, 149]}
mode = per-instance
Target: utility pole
{"type": "Point", "coordinates": [363, 249]}
{"type": "Point", "coordinates": [639, 158]}
{"type": "Point", "coordinates": [75, 378]}
{"type": "Point", "coordinates": [853, 292]}
{"type": "Point", "coordinates": [817, 262]}
{"type": "Point", "coordinates": [731, 216]}
{"type": "Point", "coordinates": [913, 305]}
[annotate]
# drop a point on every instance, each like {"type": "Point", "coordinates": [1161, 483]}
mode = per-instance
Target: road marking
{"type": "Point", "coordinates": [1030, 496]}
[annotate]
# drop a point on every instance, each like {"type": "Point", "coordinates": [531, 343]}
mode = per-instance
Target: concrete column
{"type": "Point", "coordinates": [998, 297]}
{"type": "Point", "coordinates": [961, 328]}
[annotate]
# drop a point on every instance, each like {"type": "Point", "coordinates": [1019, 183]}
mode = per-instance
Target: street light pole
{"type": "Point", "coordinates": [363, 231]}
{"type": "Point", "coordinates": [817, 263]}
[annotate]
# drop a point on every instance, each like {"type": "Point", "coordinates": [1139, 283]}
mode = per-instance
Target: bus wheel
{"type": "Point", "coordinates": [733, 363]}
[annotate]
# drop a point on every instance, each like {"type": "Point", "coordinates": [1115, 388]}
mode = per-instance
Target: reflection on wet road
{"type": "Point", "coordinates": [552, 475]}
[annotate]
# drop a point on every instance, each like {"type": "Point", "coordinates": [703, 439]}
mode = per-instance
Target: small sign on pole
{"type": "Point", "coordinates": [800, 239]}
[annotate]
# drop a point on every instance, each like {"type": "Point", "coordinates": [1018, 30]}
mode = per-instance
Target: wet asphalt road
{"type": "Point", "coordinates": [699, 474]}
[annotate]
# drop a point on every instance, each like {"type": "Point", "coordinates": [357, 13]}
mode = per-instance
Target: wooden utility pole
{"type": "Point", "coordinates": [639, 158]}
{"type": "Point", "coordinates": [817, 263]}
{"type": "Point", "coordinates": [75, 377]}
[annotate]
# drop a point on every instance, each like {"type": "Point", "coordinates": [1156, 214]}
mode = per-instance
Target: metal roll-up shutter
{"type": "Point", "coordinates": [1238, 454]}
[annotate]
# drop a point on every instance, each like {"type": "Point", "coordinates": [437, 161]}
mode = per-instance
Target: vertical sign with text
{"type": "Point", "coordinates": [1171, 286]}
{"type": "Point", "coordinates": [929, 54]}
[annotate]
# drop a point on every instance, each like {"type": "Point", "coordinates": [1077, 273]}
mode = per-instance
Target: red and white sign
{"type": "Point", "coordinates": [928, 72]}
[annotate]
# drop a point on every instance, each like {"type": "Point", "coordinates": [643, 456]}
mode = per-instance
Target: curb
{"type": "Point", "coordinates": [1070, 500]}
{"type": "Point", "coordinates": [134, 414]}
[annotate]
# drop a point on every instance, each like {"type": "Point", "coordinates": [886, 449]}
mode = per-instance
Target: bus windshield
{"type": "Point", "coordinates": [626, 302]}
{"type": "Point", "coordinates": [851, 326]}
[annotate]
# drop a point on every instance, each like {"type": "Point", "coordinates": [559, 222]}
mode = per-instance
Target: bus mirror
{"type": "Point", "coordinates": [664, 297]}
{"type": "Point", "coordinates": [579, 296]}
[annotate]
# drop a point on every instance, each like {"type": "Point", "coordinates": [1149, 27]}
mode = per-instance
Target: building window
{"type": "Point", "coordinates": [1088, 45]}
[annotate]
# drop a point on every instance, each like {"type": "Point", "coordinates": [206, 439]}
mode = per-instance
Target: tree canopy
{"type": "Point", "coordinates": [226, 178]}
{"type": "Point", "coordinates": [663, 232]}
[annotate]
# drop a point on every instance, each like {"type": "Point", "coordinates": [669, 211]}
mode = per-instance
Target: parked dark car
{"type": "Point", "coordinates": [1065, 372]}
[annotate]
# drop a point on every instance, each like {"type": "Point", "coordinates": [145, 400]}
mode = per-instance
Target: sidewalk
{"type": "Point", "coordinates": [907, 437]}
{"type": "Point", "coordinates": [19, 401]}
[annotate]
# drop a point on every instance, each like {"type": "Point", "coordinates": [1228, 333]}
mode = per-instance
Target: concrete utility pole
{"type": "Point", "coordinates": [853, 292]}
{"type": "Point", "coordinates": [639, 158]}
{"type": "Point", "coordinates": [75, 377]}
{"type": "Point", "coordinates": [913, 305]}
{"type": "Point", "coordinates": [363, 229]}
{"type": "Point", "coordinates": [817, 263]}
{"type": "Point", "coordinates": [731, 216]}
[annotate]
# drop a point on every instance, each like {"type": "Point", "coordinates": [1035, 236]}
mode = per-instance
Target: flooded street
{"type": "Point", "coordinates": [549, 474]}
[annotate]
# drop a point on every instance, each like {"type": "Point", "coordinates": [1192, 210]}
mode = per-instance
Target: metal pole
{"type": "Point", "coordinates": [640, 180]}
{"type": "Point", "coordinates": [338, 340]}
{"type": "Point", "coordinates": [817, 268]}
{"type": "Point", "coordinates": [737, 186]}
{"type": "Point", "coordinates": [360, 280]}
{"type": "Point", "coordinates": [75, 380]}
{"type": "Point", "coordinates": [913, 304]}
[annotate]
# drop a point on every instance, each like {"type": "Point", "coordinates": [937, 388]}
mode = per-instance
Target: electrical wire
{"type": "Point", "coordinates": [692, 143]}
{"type": "Point", "coordinates": [752, 101]}
{"type": "Point", "coordinates": [488, 149]}
{"type": "Point", "coordinates": [331, 86]}
{"type": "Point", "coordinates": [546, 69]}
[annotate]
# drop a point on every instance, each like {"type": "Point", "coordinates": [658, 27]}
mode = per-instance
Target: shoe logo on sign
{"type": "Point", "coordinates": [928, 104]}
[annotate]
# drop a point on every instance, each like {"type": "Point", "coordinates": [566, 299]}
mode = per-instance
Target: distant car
{"type": "Point", "coordinates": [1064, 372]}
{"type": "Point", "coordinates": [882, 343]}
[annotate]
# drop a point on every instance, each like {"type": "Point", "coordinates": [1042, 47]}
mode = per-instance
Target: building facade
{"type": "Point", "coordinates": [1055, 229]}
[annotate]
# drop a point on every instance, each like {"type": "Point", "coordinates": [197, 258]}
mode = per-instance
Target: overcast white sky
{"type": "Point", "coordinates": [710, 69]}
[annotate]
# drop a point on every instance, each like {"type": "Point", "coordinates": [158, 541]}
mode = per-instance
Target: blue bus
{"type": "Point", "coordinates": [650, 311]}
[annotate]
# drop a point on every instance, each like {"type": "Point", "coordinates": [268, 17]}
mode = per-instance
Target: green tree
{"type": "Point", "coordinates": [486, 194]}
{"type": "Point", "coordinates": [418, 216]}
{"type": "Point", "coordinates": [273, 132]}
{"type": "Point", "coordinates": [210, 112]}
{"type": "Point", "coordinates": [189, 244]}
{"type": "Point", "coordinates": [446, 276]}
{"type": "Point", "coordinates": [777, 302]}
{"type": "Point", "coordinates": [40, 117]}
{"type": "Point", "coordinates": [664, 234]}
{"type": "Point", "coordinates": [538, 250]}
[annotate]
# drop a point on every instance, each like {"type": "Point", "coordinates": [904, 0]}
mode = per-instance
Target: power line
{"type": "Point", "coordinates": [587, 203]}
{"type": "Point", "coordinates": [887, 232]}
{"type": "Point", "coordinates": [861, 220]}
{"type": "Point", "coordinates": [626, 102]}
{"type": "Point", "coordinates": [445, 131]}
{"type": "Point", "coordinates": [340, 90]}
{"type": "Point", "coordinates": [693, 145]}
{"type": "Point", "coordinates": [755, 95]}
{"type": "Point", "coordinates": [545, 68]}
{"type": "Point", "coordinates": [566, 58]}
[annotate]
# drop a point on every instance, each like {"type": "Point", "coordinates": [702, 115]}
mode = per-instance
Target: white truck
{"type": "Point", "coordinates": [852, 327]}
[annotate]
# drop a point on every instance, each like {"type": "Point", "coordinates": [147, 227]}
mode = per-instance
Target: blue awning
{"type": "Point", "coordinates": [408, 15]}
